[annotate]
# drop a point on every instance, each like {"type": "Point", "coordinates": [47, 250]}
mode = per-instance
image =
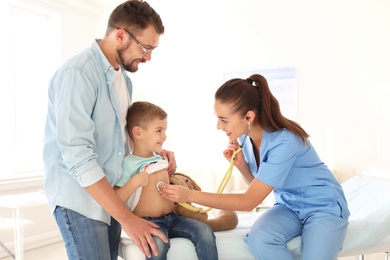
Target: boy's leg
{"type": "Point", "coordinates": [200, 234]}
{"type": "Point", "coordinates": [323, 236]}
{"type": "Point", "coordinates": [84, 238]}
{"type": "Point", "coordinates": [162, 247]}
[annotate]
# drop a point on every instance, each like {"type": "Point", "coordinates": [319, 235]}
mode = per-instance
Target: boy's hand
{"type": "Point", "coordinates": [142, 179]}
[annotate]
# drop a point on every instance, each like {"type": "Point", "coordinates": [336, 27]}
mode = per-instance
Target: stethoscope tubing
{"type": "Point", "coordinates": [224, 180]}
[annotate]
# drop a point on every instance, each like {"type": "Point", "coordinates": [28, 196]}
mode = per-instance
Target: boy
{"type": "Point", "coordinates": [143, 170]}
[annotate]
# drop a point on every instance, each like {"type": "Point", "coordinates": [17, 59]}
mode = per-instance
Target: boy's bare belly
{"type": "Point", "coordinates": [150, 203]}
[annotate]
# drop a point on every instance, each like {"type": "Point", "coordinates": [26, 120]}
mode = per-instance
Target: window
{"type": "Point", "coordinates": [32, 53]}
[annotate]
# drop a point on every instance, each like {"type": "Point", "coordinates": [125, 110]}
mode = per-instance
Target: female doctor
{"type": "Point", "coordinates": [276, 157]}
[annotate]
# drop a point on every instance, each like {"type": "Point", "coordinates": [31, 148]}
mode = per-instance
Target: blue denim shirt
{"type": "Point", "coordinates": [83, 138]}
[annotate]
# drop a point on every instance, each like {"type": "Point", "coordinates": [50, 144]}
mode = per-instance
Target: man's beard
{"type": "Point", "coordinates": [131, 66]}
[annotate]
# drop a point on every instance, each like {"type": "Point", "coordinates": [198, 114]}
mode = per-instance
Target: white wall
{"type": "Point", "coordinates": [339, 49]}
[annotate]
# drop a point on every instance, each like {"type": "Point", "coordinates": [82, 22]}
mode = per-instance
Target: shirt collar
{"type": "Point", "coordinates": [106, 66]}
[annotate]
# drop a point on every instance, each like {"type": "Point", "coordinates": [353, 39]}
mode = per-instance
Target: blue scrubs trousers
{"type": "Point", "coordinates": [322, 234]}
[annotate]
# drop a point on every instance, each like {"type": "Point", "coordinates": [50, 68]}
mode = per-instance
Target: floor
{"type": "Point", "coordinates": [57, 252]}
{"type": "Point", "coordinates": [51, 252]}
{"type": "Point", "coordinates": [54, 251]}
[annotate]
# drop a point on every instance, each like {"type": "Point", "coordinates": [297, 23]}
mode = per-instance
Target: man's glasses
{"type": "Point", "coordinates": [144, 49]}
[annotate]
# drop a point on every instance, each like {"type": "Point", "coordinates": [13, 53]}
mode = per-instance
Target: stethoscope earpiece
{"type": "Point", "coordinates": [249, 128]}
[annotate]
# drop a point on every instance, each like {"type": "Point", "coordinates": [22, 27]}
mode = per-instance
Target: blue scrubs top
{"type": "Point", "coordinates": [302, 181]}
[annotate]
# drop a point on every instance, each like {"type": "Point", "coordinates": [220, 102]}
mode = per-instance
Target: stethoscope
{"type": "Point", "coordinates": [224, 181]}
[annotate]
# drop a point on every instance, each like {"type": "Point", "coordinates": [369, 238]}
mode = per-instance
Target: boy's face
{"type": "Point", "coordinates": [154, 136]}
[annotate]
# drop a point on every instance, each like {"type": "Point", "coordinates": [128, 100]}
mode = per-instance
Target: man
{"type": "Point", "coordinates": [85, 138]}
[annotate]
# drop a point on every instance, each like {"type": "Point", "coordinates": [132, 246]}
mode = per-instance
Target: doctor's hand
{"type": "Point", "coordinates": [228, 153]}
{"type": "Point", "coordinates": [175, 193]}
{"type": "Point", "coordinates": [171, 160]}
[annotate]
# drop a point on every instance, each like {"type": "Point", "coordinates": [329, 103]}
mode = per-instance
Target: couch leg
{"type": "Point", "coordinates": [386, 255]}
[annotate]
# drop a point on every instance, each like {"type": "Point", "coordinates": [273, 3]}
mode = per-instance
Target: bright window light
{"type": "Point", "coordinates": [31, 55]}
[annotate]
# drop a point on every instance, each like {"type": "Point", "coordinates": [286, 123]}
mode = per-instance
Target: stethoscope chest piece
{"type": "Point", "coordinates": [159, 184]}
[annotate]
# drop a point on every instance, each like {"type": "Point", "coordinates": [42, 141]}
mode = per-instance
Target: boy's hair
{"type": "Point", "coordinates": [141, 113]}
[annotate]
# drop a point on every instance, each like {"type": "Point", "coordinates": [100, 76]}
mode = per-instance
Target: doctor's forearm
{"type": "Point", "coordinates": [222, 201]}
{"type": "Point", "coordinates": [246, 174]}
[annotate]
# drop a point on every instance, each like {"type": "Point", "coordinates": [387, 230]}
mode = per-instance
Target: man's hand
{"type": "Point", "coordinates": [141, 232]}
{"type": "Point", "coordinates": [171, 161]}
{"type": "Point", "coordinates": [138, 229]}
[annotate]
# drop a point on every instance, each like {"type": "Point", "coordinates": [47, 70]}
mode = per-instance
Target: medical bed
{"type": "Point", "coordinates": [368, 198]}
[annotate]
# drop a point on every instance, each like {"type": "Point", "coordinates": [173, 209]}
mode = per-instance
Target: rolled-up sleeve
{"type": "Point", "coordinates": [90, 177]}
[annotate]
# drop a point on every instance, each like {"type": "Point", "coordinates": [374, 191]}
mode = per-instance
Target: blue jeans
{"type": "Point", "coordinates": [200, 234]}
{"type": "Point", "coordinates": [86, 238]}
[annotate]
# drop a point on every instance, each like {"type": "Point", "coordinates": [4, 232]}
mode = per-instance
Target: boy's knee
{"type": "Point", "coordinates": [161, 246]}
{"type": "Point", "coordinates": [207, 233]}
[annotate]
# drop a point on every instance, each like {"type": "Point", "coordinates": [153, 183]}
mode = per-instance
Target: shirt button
{"type": "Point", "coordinates": [119, 153]}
